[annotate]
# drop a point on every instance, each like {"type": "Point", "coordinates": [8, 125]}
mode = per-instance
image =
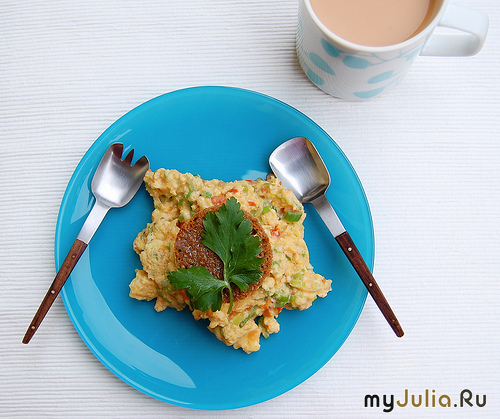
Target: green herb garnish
{"type": "Point", "coordinates": [229, 234]}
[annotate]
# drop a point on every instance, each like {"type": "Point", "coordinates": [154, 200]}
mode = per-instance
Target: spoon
{"type": "Point", "coordinates": [299, 167]}
{"type": "Point", "coordinates": [114, 184]}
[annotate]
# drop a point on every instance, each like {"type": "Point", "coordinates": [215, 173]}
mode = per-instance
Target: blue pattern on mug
{"type": "Point", "coordinates": [356, 62]}
{"type": "Point", "coordinates": [320, 63]}
{"type": "Point", "coordinates": [375, 71]}
{"type": "Point", "coordinates": [330, 49]}
{"type": "Point", "coordinates": [317, 80]}
{"type": "Point", "coordinates": [381, 77]}
{"type": "Point", "coordinates": [369, 94]}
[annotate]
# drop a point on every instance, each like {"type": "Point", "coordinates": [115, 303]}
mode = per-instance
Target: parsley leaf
{"type": "Point", "coordinates": [208, 290]}
{"type": "Point", "coordinates": [228, 234]}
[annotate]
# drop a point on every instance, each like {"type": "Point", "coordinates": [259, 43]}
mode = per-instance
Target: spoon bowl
{"type": "Point", "coordinates": [300, 168]}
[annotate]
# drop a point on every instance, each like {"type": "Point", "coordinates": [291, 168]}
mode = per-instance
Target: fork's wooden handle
{"type": "Point", "coordinates": [66, 268]}
{"type": "Point", "coordinates": [357, 261]}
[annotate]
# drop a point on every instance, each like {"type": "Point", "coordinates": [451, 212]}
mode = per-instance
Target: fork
{"type": "Point", "coordinates": [114, 184]}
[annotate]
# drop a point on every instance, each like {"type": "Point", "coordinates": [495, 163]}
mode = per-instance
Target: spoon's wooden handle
{"type": "Point", "coordinates": [66, 268]}
{"type": "Point", "coordinates": [357, 261]}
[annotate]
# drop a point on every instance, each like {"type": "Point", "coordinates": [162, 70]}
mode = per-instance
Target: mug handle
{"type": "Point", "coordinates": [474, 22]}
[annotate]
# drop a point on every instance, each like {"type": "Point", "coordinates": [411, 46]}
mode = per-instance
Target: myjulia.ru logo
{"type": "Point", "coordinates": [427, 398]}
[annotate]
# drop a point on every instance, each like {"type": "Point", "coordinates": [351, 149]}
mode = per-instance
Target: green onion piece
{"type": "Point", "coordinates": [292, 216]}
{"type": "Point", "coordinates": [250, 315]}
{"type": "Point", "coordinates": [265, 210]}
{"type": "Point", "coordinates": [281, 299]}
{"type": "Point", "coordinates": [263, 327]}
{"type": "Point", "coordinates": [239, 318]}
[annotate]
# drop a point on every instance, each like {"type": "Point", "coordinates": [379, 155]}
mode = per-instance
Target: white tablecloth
{"type": "Point", "coordinates": [427, 154]}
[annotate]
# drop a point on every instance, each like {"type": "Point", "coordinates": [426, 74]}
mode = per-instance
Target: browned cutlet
{"type": "Point", "coordinates": [190, 251]}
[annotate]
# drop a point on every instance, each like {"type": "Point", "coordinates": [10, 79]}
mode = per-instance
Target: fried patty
{"type": "Point", "coordinates": [190, 251]}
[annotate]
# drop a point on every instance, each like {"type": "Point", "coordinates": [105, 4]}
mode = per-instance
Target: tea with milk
{"type": "Point", "coordinates": [374, 23]}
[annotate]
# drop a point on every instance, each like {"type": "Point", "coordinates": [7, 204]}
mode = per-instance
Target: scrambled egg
{"type": "Point", "coordinates": [292, 284]}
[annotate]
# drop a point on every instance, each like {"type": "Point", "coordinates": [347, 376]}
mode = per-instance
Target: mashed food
{"type": "Point", "coordinates": [291, 283]}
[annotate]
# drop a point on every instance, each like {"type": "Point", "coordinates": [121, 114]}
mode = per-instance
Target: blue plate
{"type": "Point", "coordinates": [228, 134]}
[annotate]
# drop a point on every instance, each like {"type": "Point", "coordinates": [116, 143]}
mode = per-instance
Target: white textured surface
{"type": "Point", "coordinates": [427, 154]}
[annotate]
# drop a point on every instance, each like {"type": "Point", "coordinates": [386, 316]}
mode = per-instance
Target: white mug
{"type": "Point", "coordinates": [355, 72]}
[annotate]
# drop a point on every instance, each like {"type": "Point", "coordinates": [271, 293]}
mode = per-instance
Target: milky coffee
{"type": "Point", "coordinates": [374, 22]}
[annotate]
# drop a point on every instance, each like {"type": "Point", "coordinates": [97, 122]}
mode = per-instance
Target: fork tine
{"type": "Point", "coordinates": [117, 149]}
{"type": "Point", "coordinates": [143, 161]}
{"type": "Point", "coordinates": [129, 157]}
